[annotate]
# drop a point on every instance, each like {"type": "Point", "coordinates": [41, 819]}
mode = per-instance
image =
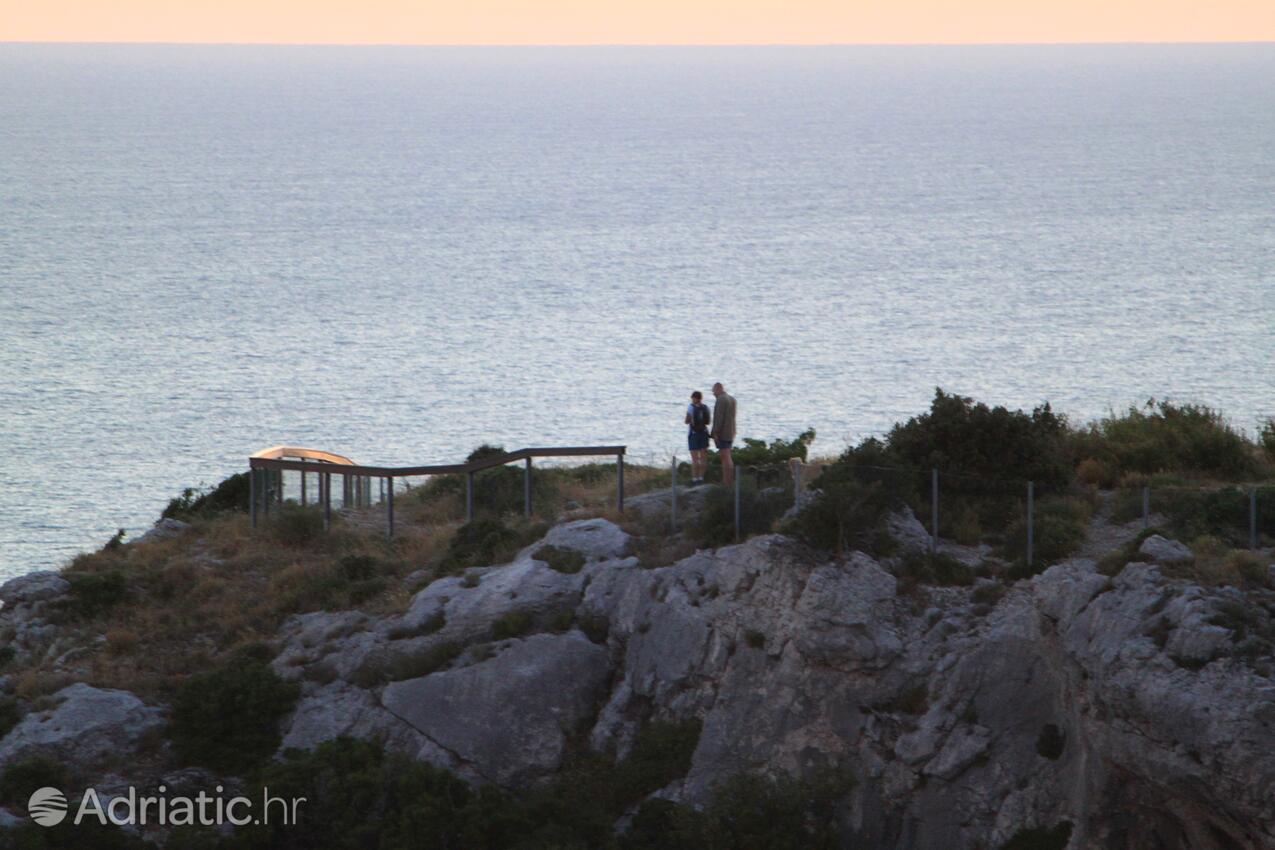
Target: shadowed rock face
{"type": "Point", "coordinates": [1122, 706]}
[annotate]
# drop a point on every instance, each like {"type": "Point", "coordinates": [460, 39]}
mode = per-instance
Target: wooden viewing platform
{"type": "Point", "coordinates": [356, 478]}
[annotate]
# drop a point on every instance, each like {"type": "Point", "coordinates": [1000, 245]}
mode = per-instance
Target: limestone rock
{"type": "Point", "coordinates": [88, 729]}
{"type": "Point", "coordinates": [1165, 551]}
{"type": "Point", "coordinates": [34, 587]}
{"type": "Point", "coordinates": [508, 717]}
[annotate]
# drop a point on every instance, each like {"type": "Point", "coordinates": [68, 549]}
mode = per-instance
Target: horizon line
{"type": "Point", "coordinates": [622, 44]}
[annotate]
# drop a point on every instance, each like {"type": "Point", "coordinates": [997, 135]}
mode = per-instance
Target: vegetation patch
{"type": "Point", "coordinates": [232, 494]}
{"type": "Point", "coordinates": [21, 778]}
{"type": "Point", "coordinates": [10, 715]}
{"type": "Point", "coordinates": [1040, 838]}
{"type": "Point", "coordinates": [228, 719]}
{"type": "Point", "coordinates": [560, 558]}
{"type": "Point", "coordinates": [432, 660]}
{"type": "Point", "coordinates": [511, 625]}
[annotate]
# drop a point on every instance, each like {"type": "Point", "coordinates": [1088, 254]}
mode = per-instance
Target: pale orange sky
{"type": "Point", "coordinates": [636, 21]}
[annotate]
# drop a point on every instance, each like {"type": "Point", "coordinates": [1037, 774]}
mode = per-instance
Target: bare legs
{"type": "Point", "coordinates": [699, 463]}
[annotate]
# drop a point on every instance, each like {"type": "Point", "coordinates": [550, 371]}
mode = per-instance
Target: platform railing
{"type": "Point", "coordinates": [267, 466]}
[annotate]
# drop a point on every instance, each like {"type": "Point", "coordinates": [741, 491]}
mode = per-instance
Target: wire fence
{"type": "Point", "coordinates": [1019, 518]}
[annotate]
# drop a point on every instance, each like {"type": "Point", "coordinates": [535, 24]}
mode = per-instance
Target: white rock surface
{"type": "Point", "coordinates": [1165, 551]}
{"type": "Point", "coordinates": [89, 728]}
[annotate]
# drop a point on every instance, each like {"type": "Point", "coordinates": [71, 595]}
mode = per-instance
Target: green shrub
{"type": "Point", "coordinates": [499, 490]}
{"type": "Point", "coordinates": [7, 654]}
{"type": "Point", "coordinates": [1059, 530]}
{"type": "Point", "coordinates": [749, 811]}
{"type": "Point", "coordinates": [232, 494]}
{"type": "Point", "coordinates": [421, 664]}
{"type": "Point", "coordinates": [293, 525]}
{"type": "Point", "coordinates": [755, 639]}
{"type": "Point", "coordinates": [975, 441]}
{"type": "Point", "coordinates": [661, 753]}
{"type": "Point", "coordinates": [511, 625]}
{"type": "Point", "coordinates": [1040, 838]}
{"type": "Point", "coordinates": [1165, 437]}
{"type": "Point", "coordinates": [21, 779]}
{"type": "Point", "coordinates": [228, 719]}
{"type": "Point", "coordinates": [93, 594]}
{"type": "Point", "coordinates": [359, 567]}
{"type": "Point", "coordinates": [1266, 436]}
{"type": "Point", "coordinates": [484, 542]}
{"type": "Point", "coordinates": [595, 627]}
{"type": "Point", "coordinates": [853, 496]}
{"type": "Point", "coordinates": [358, 796]}
{"type": "Point", "coordinates": [758, 511]}
{"type": "Point", "coordinates": [934, 568]}
{"type": "Point", "coordinates": [563, 560]}
{"type": "Point", "coordinates": [10, 715]}
{"type": "Point", "coordinates": [777, 452]}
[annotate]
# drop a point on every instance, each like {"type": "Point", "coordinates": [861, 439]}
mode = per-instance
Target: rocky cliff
{"type": "Point", "coordinates": [1126, 711]}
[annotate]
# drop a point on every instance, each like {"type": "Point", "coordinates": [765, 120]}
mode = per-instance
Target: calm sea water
{"type": "Point", "coordinates": [399, 253]}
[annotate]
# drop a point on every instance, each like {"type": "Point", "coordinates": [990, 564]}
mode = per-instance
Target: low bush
{"type": "Point", "coordinates": [1059, 529]}
{"type": "Point", "coordinates": [10, 715]}
{"type": "Point", "coordinates": [963, 437]}
{"type": "Point", "coordinates": [775, 453]}
{"type": "Point", "coordinates": [511, 625]}
{"type": "Point", "coordinates": [558, 558]}
{"type": "Point", "coordinates": [232, 494]}
{"type": "Point", "coordinates": [228, 719]}
{"type": "Point", "coordinates": [421, 664]}
{"type": "Point", "coordinates": [1166, 437]}
{"type": "Point", "coordinates": [853, 496]}
{"type": "Point", "coordinates": [93, 594]}
{"type": "Point", "coordinates": [933, 568]}
{"type": "Point", "coordinates": [484, 542]}
{"type": "Point", "coordinates": [1266, 437]}
{"type": "Point", "coordinates": [294, 525]}
{"type": "Point", "coordinates": [758, 511]}
{"type": "Point", "coordinates": [748, 811]}
{"type": "Point", "coordinates": [22, 778]}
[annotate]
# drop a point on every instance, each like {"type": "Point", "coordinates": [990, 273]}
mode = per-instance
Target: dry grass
{"type": "Point", "coordinates": [189, 602]}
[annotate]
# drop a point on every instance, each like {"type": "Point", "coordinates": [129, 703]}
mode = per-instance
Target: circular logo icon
{"type": "Point", "coordinates": [47, 807]}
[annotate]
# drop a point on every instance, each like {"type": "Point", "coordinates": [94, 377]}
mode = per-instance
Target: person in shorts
{"type": "Point", "coordinates": [698, 418]}
{"type": "Point", "coordinates": [723, 431]}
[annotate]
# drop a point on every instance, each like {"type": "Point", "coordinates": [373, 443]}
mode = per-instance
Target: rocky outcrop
{"type": "Point", "coordinates": [1136, 708]}
{"type": "Point", "coordinates": [1165, 551]}
{"type": "Point", "coordinates": [88, 730]}
{"type": "Point", "coordinates": [34, 587]}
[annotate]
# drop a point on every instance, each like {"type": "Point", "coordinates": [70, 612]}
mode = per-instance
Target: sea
{"type": "Point", "coordinates": [400, 253]}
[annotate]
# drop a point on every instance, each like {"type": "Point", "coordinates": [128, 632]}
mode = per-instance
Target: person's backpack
{"type": "Point", "coordinates": [699, 417]}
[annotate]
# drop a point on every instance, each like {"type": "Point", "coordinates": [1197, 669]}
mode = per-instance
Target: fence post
{"type": "Point", "coordinates": [619, 483]}
{"type": "Point", "coordinates": [303, 488]}
{"type": "Point", "coordinates": [325, 487]}
{"type": "Point", "coordinates": [526, 490]}
{"type": "Point", "coordinates": [1252, 518]}
{"type": "Point", "coordinates": [737, 477]}
{"type": "Point", "coordinates": [1031, 519]}
{"type": "Point", "coordinates": [673, 499]}
{"type": "Point", "coordinates": [1146, 508]}
{"type": "Point", "coordinates": [469, 497]}
{"type": "Point", "coordinates": [934, 510]}
{"type": "Point", "coordinates": [252, 494]}
{"type": "Point", "coordinates": [387, 487]}
{"type": "Point", "coordinates": [384, 481]}
{"type": "Point", "coordinates": [266, 496]}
